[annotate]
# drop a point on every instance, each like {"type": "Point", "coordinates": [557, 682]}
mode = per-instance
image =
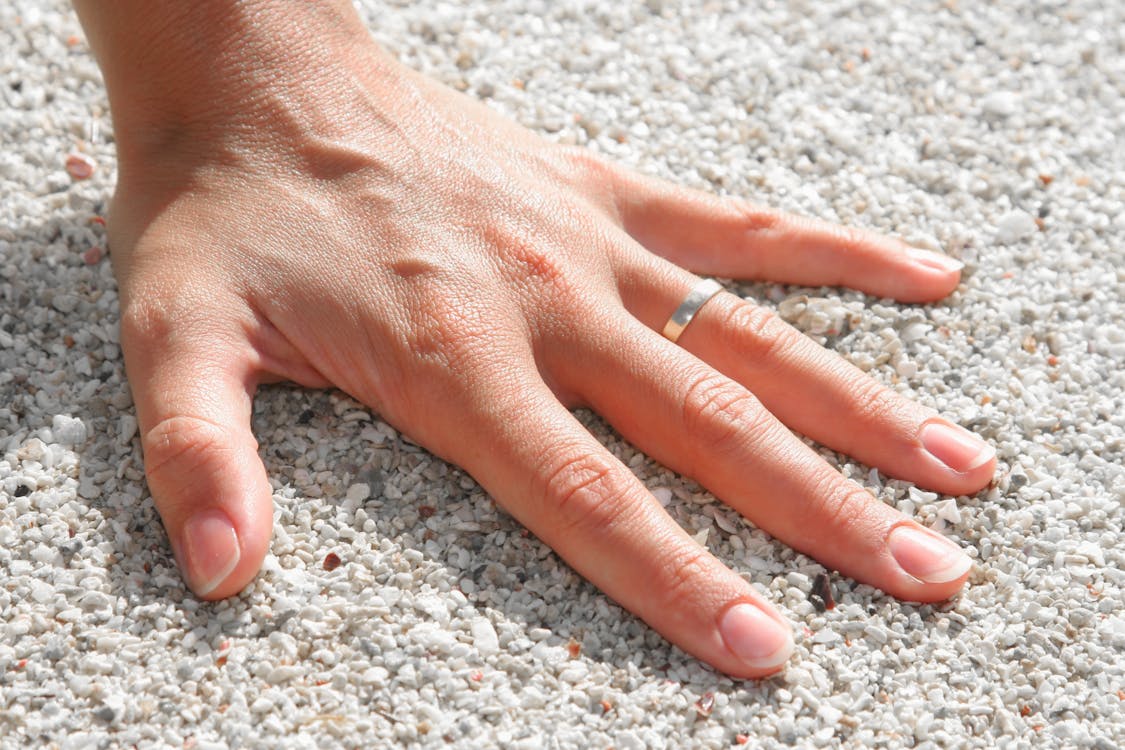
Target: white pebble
{"type": "Point", "coordinates": [283, 673]}
{"type": "Point", "coordinates": [1014, 226]}
{"type": "Point", "coordinates": [484, 637]}
{"type": "Point", "coordinates": [357, 493]}
{"type": "Point", "coordinates": [68, 430]}
{"type": "Point", "coordinates": [947, 510]}
{"type": "Point", "coordinates": [126, 429]}
{"type": "Point", "coordinates": [826, 636]}
{"type": "Point", "coordinates": [1000, 104]}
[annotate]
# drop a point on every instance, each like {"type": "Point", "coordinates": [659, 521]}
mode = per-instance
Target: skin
{"type": "Point", "coordinates": [294, 205]}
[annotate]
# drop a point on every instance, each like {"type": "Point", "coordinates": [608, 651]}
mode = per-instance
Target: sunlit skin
{"type": "Point", "coordinates": [294, 205]}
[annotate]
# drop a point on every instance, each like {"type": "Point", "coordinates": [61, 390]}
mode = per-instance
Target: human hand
{"type": "Point", "coordinates": [328, 217]}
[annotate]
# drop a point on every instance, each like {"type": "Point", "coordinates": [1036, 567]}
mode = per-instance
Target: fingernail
{"type": "Point", "coordinates": [934, 260]}
{"type": "Point", "coordinates": [926, 556]}
{"type": "Point", "coordinates": [956, 447]}
{"type": "Point", "coordinates": [760, 641]}
{"type": "Point", "coordinates": [210, 550]}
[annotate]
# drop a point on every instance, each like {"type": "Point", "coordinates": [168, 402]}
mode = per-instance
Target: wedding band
{"type": "Point", "coordinates": [697, 298]}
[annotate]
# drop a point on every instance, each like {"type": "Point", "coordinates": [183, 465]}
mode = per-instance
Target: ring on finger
{"type": "Point", "coordinates": [696, 298]}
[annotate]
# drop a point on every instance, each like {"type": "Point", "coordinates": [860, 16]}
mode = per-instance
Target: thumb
{"type": "Point", "coordinates": [193, 387]}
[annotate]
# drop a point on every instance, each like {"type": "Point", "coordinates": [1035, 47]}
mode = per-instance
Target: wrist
{"type": "Point", "coordinates": [183, 74]}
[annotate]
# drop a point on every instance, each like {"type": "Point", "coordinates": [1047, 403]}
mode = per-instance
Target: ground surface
{"type": "Point", "coordinates": [994, 131]}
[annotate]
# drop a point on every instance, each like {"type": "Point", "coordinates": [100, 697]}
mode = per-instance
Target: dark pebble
{"type": "Point", "coordinates": [22, 490]}
{"type": "Point", "coordinates": [822, 591]}
{"type": "Point", "coordinates": [106, 714]}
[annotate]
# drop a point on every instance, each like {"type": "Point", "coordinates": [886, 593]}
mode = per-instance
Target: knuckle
{"type": "Point", "coordinates": [843, 508]}
{"type": "Point", "coordinates": [146, 321]}
{"type": "Point", "coordinates": [535, 263]}
{"type": "Point", "coordinates": [874, 403]}
{"type": "Point", "coordinates": [753, 218]}
{"type": "Point", "coordinates": [600, 180]}
{"type": "Point", "coordinates": [585, 165]}
{"type": "Point", "coordinates": [586, 491]}
{"type": "Point", "coordinates": [538, 270]}
{"type": "Point", "coordinates": [453, 335]}
{"type": "Point", "coordinates": [153, 316]}
{"type": "Point", "coordinates": [184, 446]}
{"type": "Point", "coordinates": [757, 332]}
{"type": "Point", "coordinates": [850, 238]}
{"type": "Point", "coordinates": [681, 577]}
{"type": "Point", "coordinates": [722, 415]}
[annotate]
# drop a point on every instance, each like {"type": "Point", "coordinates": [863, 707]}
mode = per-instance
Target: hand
{"type": "Point", "coordinates": [328, 217]}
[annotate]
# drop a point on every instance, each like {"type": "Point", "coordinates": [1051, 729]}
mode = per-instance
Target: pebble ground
{"type": "Point", "coordinates": [399, 606]}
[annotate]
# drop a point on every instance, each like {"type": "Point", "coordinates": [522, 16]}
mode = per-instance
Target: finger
{"type": "Point", "coordinates": [539, 463]}
{"type": "Point", "coordinates": [734, 238]}
{"type": "Point", "coordinates": [706, 426]}
{"type": "Point", "coordinates": [812, 390]}
{"type": "Point", "coordinates": [192, 383]}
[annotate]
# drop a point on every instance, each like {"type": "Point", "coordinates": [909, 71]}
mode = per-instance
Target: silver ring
{"type": "Point", "coordinates": [696, 298]}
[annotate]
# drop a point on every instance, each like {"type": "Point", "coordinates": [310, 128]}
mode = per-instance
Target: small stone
{"type": "Point", "coordinates": [1000, 105]}
{"type": "Point", "coordinates": [1014, 226]}
{"type": "Point", "coordinates": [106, 714]}
{"type": "Point", "coordinates": [93, 255]}
{"type": "Point", "coordinates": [484, 637]}
{"type": "Point", "coordinates": [826, 636]}
{"type": "Point", "coordinates": [68, 430]}
{"type": "Point", "coordinates": [283, 673]}
{"type": "Point", "coordinates": [705, 705]}
{"type": "Point", "coordinates": [876, 633]}
{"type": "Point", "coordinates": [822, 595]}
{"type": "Point", "coordinates": [126, 429]}
{"type": "Point", "coordinates": [375, 676]}
{"type": "Point", "coordinates": [80, 166]}
{"type": "Point", "coordinates": [64, 303]}
{"type": "Point", "coordinates": [915, 330]}
{"type": "Point", "coordinates": [829, 714]}
{"type": "Point", "coordinates": [357, 493]}
{"type": "Point", "coordinates": [947, 510]}
{"type": "Point", "coordinates": [628, 740]}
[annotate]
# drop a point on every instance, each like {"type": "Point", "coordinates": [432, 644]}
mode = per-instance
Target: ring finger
{"type": "Point", "coordinates": [811, 389]}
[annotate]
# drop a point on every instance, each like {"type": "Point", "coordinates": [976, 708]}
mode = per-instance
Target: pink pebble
{"type": "Point", "coordinates": [93, 255]}
{"type": "Point", "coordinates": [80, 166]}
